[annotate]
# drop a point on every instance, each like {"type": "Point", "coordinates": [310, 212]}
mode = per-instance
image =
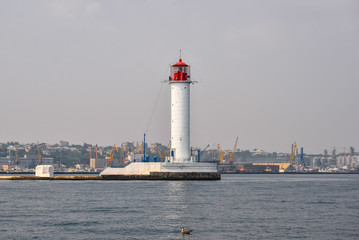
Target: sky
{"type": "Point", "coordinates": [270, 72]}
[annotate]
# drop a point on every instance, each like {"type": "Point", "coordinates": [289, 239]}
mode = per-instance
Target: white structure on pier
{"type": "Point", "coordinates": [180, 81]}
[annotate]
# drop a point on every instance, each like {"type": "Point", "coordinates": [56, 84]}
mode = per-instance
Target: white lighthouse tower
{"type": "Point", "coordinates": [180, 81]}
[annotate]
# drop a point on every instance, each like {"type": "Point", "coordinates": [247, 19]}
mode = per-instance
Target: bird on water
{"type": "Point", "coordinates": [185, 231]}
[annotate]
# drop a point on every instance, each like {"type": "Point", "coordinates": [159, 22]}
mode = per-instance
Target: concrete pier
{"type": "Point", "coordinates": [32, 177]}
{"type": "Point", "coordinates": [167, 176]}
{"type": "Point", "coordinates": [151, 176]}
{"type": "Point", "coordinates": [163, 171]}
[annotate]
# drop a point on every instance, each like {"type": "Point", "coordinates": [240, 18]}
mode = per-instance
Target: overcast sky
{"type": "Point", "coordinates": [269, 72]}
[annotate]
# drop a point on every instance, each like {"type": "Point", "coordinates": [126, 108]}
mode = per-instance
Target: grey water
{"type": "Point", "coordinates": [236, 207]}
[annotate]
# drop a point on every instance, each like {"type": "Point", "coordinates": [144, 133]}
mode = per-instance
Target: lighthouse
{"type": "Point", "coordinates": [180, 81]}
{"type": "Point", "coordinates": [180, 165]}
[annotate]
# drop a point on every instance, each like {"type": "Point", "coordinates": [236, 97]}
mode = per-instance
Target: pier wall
{"type": "Point", "coordinates": [167, 176]}
{"type": "Point", "coordinates": [145, 168]}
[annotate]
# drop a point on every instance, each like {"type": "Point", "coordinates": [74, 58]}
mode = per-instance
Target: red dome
{"type": "Point", "coordinates": [180, 63]}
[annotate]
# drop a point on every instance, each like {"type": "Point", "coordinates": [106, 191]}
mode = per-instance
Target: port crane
{"type": "Point", "coordinates": [200, 152]}
{"type": "Point", "coordinates": [113, 153]}
{"type": "Point", "coordinates": [233, 152]}
{"type": "Point", "coordinates": [38, 152]}
{"type": "Point", "coordinates": [220, 153]}
{"type": "Point", "coordinates": [294, 156]}
{"type": "Point", "coordinates": [140, 148]}
{"type": "Point", "coordinates": [294, 153]}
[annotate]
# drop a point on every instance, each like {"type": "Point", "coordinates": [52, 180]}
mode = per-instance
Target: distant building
{"type": "Point", "coordinates": [98, 164]}
{"type": "Point", "coordinates": [64, 143]}
{"type": "Point", "coordinates": [26, 162]}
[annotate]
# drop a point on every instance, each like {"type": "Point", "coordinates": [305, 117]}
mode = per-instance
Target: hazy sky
{"type": "Point", "coordinates": [269, 72]}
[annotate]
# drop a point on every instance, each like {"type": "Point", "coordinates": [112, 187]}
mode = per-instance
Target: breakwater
{"type": "Point", "coordinates": [151, 176]}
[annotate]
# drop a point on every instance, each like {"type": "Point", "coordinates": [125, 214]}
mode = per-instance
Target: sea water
{"type": "Point", "coordinates": [237, 207]}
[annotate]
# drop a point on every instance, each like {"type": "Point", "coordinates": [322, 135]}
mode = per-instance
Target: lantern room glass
{"type": "Point", "coordinates": [180, 71]}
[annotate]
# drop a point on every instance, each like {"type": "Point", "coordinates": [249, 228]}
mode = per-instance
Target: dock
{"type": "Point", "coordinates": [153, 176]}
{"type": "Point", "coordinates": [181, 176]}
{"type": "Point", "coordinates": [32, 177]}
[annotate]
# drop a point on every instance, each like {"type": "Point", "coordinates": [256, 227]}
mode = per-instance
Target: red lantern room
{"type": "Point", "coordinates": [180, 72]}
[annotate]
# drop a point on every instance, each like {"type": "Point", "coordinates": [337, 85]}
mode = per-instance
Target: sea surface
{"type": "Point", "coordinates": [237, 207]}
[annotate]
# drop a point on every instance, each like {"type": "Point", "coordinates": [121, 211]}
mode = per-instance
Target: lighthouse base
{"type": "Point", "coordinates": [162, 171]}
